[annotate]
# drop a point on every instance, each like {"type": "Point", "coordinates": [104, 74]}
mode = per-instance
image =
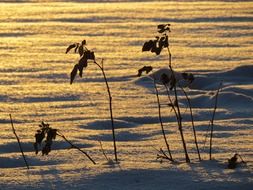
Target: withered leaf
{"type": "Point", "coordinates": [161, 26]}
{"type": "Point", "coordinates": [83, 63]}
{"type": "Point", "coordinates": [89, 55]}
{"type": "Point", "coordinates": [73, 73]}
{"type": "Point", "coordinates": [149, 45]}
{"type": "Point", "coordinates": [84, 42]}
{"type": "Point", "coordinates": [70, 47]}
{"type": "Point", "coordinates": [39, 136]}
{"type": "Point", "coordinates": [51, 134]}
{"type": "Point", "coordinates": [145, 68]}
{"type": "Point", "coordinates": [80, 50]}
{"type": "Point", "coordinates": [46, 149]}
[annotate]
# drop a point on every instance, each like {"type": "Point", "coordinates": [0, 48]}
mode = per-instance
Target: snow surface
{"type": "Point", "coordinates": [212, 40]}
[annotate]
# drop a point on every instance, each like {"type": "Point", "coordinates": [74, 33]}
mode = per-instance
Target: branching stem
{"type": "Point", "coordinates": [212, 120]}
{"type": "Point", "coordinates": [160, 119]}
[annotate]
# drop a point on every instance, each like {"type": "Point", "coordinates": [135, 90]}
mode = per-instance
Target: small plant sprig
{"type": "Point", "coordinates": [233, 161]}
{"type": "Point", "coordinates": [49, 134]}
{"type": "Point", "coordinates": [44, 132]}
{"type": "Point", "coordinates": [85, 56]}
{"type": "Point", "coordinates": [156, 46]}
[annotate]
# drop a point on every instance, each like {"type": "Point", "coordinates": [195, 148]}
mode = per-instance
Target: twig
{"type": "Point", "coordinates": [160, 119]}
{"type": "Point", "coordinates": [192, 121]}
{"type": "Point", "coordinates": [241, 158]}
{"type": "Point", "coordinates": [20, 147]}
{"type": "Point", "coordinates": [212, 120]}
{"type": "Point", "coordinates": [163, 156]}
{"type": "Point", "coordinates": [103, 151]}
{"type": "Point", "coordinates": [110, 106]}
{"type": "Point", "coordinates": [76, 147]}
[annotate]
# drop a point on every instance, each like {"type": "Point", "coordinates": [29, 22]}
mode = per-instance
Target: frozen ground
{"type": "Point", "coordinates": [213, 40]}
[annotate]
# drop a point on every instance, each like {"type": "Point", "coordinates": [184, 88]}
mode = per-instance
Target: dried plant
{"type": "Point", "coordinates": [233, 161]}
{"type": "Point", "coordinates": [45, 136]}
{"type": "Point", "coordinates": [85, 56]}
{"type": "Point", "coordinates": [156, 46]}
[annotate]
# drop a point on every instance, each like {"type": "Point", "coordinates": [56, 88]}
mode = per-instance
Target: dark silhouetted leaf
{"type": "Point", "coordinates": [70, 47]}
{"type": "Point", "coordinates": [77, 46]}
{"type": "Point", "coordinates": [83, 63]}
{"type": "Point", "coordinates": [232, 162]}
{"type": "Point", "coordinates": [166, 42]}
{"type": "Point", "coordinates": [163, 27]}
{"type": "Point", "coordinates": [51, 134]}
{"type": "Point", "coordinates": [80, 50]}
{"type": "Point", "coordinates": [89, 55]}
{"type": "Point", "coordinates": [145, 68]}
{"type": "Point", "coordinates": [84, 42]}
{"type": "Point", "coordinates": [157, 50]}
{"type": "Point", "coordinates": [161, 42]}
{"type": "Point", "coordinates": [149, 45]}
{"type": "Point", "coordinates": [39, 136]}
{"type": "Point", "coordinates": [46, 149]}
{"type": "Point", "coordinates": [73, 73]}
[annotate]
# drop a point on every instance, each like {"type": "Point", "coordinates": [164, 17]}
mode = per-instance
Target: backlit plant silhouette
{"type": "Point", "coordinates": [156, 46]}
{"type": "Point", "coordinates": [44, 139]}
{"type": "Point", "coordinates": [85, 56]}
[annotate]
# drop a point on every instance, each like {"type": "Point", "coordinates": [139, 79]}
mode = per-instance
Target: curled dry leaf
{"type": "Point", "coordinates": [70, 47]}
{"type": "Point", "coordinates": [145, 68]}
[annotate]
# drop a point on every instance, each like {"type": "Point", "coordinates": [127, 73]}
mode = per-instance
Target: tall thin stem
{"type": "Point", "coordinates": [212, 120]}
{"type": "Point", "coordinates": [160, 119]}
{"type": "Point", "coordinates": [19, 144]}
{"type": "Point", "coordinates": [110, 107]}
{"type": "Point", "coordinates": [178, 111]}
{"type": "Point", "coordinates": [192, 121]}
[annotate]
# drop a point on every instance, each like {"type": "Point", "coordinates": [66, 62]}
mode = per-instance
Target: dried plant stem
{"type": "Point", "coordinates": [76, 147]}
{"type": "Point", "coordinates": [171, 103]}
{"type": "Point", "coordinates": [192, 121]}
{"type": "Point", "coordinates": [110, 106]}
{"type": "Point", "coordinates": [103, 151]}
{"type": "Point", "coordinates": [178, 111]}
{"type": "Point", "coordinates": [212, 120]}
{"type": "Point", "coordinates": [20, 147]}
{"type": "Point", "coordinates": [160, 119]}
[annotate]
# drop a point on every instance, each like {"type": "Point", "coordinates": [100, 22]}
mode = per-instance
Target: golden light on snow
{"type": "Point", "coordinates": [34, 86]}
